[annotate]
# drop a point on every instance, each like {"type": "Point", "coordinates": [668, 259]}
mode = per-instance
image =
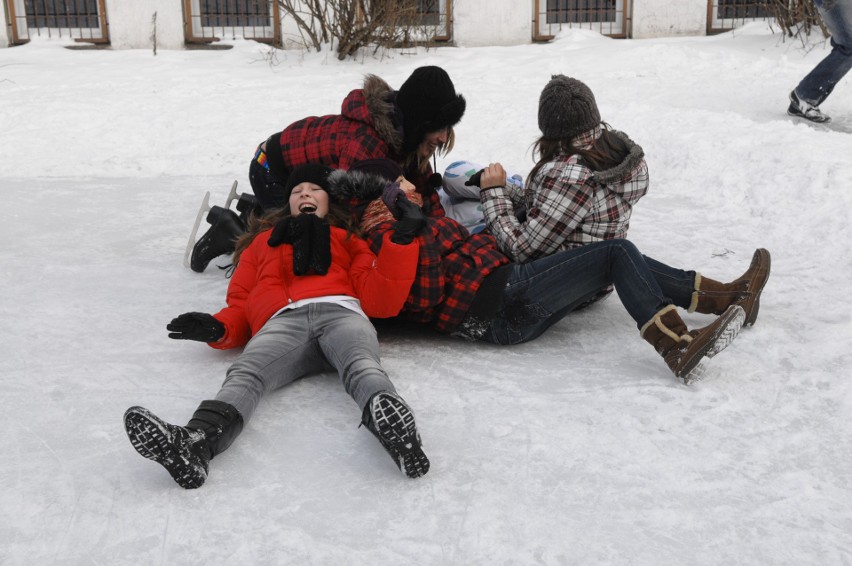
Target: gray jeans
{"type": "Point", "coordinates": [315, 338]}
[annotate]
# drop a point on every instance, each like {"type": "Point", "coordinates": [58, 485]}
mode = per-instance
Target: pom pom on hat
{"type": "Point", "coordinates": [566, 108]}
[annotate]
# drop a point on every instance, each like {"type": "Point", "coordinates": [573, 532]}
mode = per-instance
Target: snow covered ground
{"type": "Point", "coordinates": [578, 448]}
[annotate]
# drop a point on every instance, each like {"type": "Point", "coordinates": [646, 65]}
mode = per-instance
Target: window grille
{"type": "Point", "coordinates": [431, 20]}
{"type": "Point", "coordinates": [725, 15]}
{"type": "Point", "coordinates": [605, 16]}
{"type": "Point", "coordinates": [83, 20]}
{"type": "Point", "coordinates": [211, 20]}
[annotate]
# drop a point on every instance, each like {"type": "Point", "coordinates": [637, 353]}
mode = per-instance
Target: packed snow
{"type": "Point", "coordinates": [578, 448]}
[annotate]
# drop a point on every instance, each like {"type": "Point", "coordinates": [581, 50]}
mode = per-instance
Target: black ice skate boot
{"type": "Point", "coordinates": [392, 422]}
{"type": "Point", "coordinates": [220, 239]}
{"type": "Point", "coordinates": [247, 206]}
{"type": "Point", "coordinates": [184, 452]}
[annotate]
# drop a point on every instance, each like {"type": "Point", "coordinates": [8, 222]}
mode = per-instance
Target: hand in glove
{"type": "Point", "coordinates": [285, 231]}
{"type": "Point", "coordinates": [310, 237]}
{"type": "Point", "coordinates": [474, 179]}
{"type": "Point", "coordinates": [491, 177]}
{"type": "Point", "coordinates": [391, 196]}
{"type": "Point", "coordinates": [411, 223]}
{"type": "Point", "coordinates": [196, 326]}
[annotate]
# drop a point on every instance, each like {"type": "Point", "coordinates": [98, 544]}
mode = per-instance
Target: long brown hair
{"type": "Point", "coordinates": [607, 151]}
{"type": "Point", "coordinates": [337, 216]}
{"type": "Point", "coordinates": [415, 164]}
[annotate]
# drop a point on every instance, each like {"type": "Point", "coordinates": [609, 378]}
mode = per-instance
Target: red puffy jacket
{"type": "Point", "coordinates": [264, 282]}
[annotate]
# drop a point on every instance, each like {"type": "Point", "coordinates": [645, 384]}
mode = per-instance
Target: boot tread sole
{"type": "Point", "coordinates": [731, 323]}
{"type": "Point", "coordinates": [397, 432]}
{"type": "Point", "coordinates": [155, 440]}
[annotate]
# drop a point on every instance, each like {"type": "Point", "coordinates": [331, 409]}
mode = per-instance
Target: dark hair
{"type": "Point", "coordinates": [337, 216]}
{"type": "Point", "coordinates": [416, 165]}
{"type": "Point", "coordinates": [608, 151]}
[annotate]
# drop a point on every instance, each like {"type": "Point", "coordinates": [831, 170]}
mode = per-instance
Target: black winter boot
{"type": "Point", "coordinates": [185, 452]}
{"type": "Point", "coordinates": [247, 206]}
{"type": "Point", "coordinates": [220, 239]}
{"type": "Point", "coordinates": [392, 422]}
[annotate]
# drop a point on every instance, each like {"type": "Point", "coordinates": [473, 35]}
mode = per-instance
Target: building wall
{"type": "Point", "coordinates": [4, 30]}
{"type": "Point", "coordinates": [491, 22]}
{"type": "Point", "coordinates": [475, 22]}
{"type": "Point", "coordinates": [664, 18]}
{"type": "Point", "coordinates": [131, 26]}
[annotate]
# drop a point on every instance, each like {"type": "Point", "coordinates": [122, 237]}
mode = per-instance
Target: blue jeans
{"type": "Point", "coordinates": [541, 292]}
{"type": "Point", "coordinates": [818, 84]}
{"type": "Point", "coordinates": [303, 341]}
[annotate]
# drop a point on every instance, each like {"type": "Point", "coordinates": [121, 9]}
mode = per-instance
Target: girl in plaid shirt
{"type": "Point", "coordinates": [571, 245]}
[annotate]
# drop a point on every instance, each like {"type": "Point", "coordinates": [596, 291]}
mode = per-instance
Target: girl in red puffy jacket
{"type": "Point", "coordinates": [299, 301]}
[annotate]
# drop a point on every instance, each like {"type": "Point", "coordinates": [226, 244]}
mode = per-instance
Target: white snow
{"type": "Point", "coordinates": [577, 448]}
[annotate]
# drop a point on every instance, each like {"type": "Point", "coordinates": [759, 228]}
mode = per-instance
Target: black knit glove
{"type": "Point", "coordinates": [411, 223]}
{"type": "Point", "coordinates": [310, 237]}
{"type": "Point", "coordinates": [196, 326]}
{"type": "Point", "coordinates": [390, 196]}
{"type": "Point", "coordinates": [475, 179]}
{"type": "Point", "coordinates": [285, 231]}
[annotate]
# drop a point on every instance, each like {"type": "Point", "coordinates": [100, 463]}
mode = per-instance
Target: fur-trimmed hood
{"type": "Point", "coordinates": [346, 186]}
{"type": "Point", "coordinates": [386, 118]}
{"type": "Point", "coordinates": [626, 168]}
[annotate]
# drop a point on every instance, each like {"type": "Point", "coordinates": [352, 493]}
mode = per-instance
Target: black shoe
{"type": "Point", "coordinates": [220, 239]}
{"type": "Point", "coordinates": [247, 205]}
{"type": "Point", "coordinates": [183, 452]}
{"type": "Point", "coordinates": [392, 422]}
{"type": "Point", "coordinates": [803, 109]}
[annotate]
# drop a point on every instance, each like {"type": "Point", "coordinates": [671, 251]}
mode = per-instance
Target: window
{"type": "Point", "coordinates": [211, 20]}
{"type": "Point", "coordinates": [725, 15]}
{"type": "Point", "coordinates": [83, 20]}
{"type": "Point", "coordinates": [604, 16]}
{"type": "Point", "coordinates": [429, 17]}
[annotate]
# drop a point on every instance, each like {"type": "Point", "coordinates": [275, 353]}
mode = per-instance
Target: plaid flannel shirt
{"type": "Point", "coordinates": [336, 140]}
{"type": "Point", "coordinates": [452, 265]}
{"type": "Point", "coordinates": [567, 207]}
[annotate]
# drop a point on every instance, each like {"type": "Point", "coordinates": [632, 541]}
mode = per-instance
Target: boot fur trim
{"type": "Point", "coordinates": [655, 321]}
{"type": "Point", "coordinates": [694, 303]}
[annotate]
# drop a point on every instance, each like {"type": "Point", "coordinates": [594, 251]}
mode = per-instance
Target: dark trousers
{"type": "Point", "coordinates": [267, 187]}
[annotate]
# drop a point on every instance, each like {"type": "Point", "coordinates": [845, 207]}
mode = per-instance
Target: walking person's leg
{"type": "Point", "coordinates": [817, 85]}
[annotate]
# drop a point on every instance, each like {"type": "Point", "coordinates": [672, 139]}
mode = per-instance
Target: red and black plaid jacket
{"type": "Point", "coordinates": [336, 140]}
{"type": "Point", "coordinates": [451, 267]}
{"type": "Point", "coordinates": [339, 140]}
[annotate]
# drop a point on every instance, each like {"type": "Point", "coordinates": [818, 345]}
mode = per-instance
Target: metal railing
{"type": "Point", "coordinates": [608, 17]}
{"type": "Point", "coordinates": [81, 20]}
{"type": "Point", "coordinates": [725, 15]}
{"type": "Point", "coordinates": [207, 21]}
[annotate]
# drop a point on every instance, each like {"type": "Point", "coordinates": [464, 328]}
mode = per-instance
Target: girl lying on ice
{"type": "Point", "coordinates": [298, 301]}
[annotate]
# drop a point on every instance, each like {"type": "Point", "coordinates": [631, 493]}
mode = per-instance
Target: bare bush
{"type": "Point", "coordinates": [796, 18]}
{"type": "Point", "coordinates": [354, 24]}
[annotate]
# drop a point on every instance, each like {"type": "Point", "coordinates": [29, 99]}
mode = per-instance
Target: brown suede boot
{"type": "Point", "coordinates": [685, 351]}
{"type": "Point", "coordinates": [713, 297]}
